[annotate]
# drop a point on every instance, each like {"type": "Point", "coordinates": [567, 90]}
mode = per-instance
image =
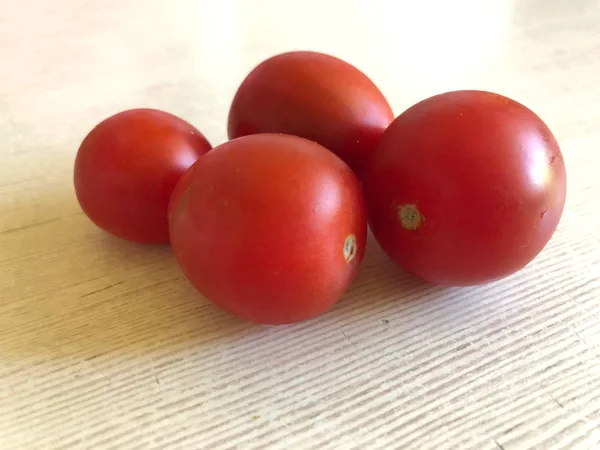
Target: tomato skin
{"type": "Point", "coordinates": [315, 96]}
{"type": "Point", "coordinates": [127, 167]}
{"type": "Point", "coordinates": [466, 187]}
{"type": "Point", "coordinates": [259, 225]}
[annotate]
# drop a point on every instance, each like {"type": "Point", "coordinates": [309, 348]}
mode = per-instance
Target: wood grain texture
{"type": "Point", "coordinates": [104, 345]}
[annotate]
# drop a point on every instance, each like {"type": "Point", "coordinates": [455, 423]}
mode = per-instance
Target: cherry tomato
{"type": "Point", "coordinates": [271, 228]}
{"type": "Point", "coordinates": [127, 167]}
{"type": "Point", "coordinates": [466, 187]}
{"type": "Point", "coordinates": [315, 96]}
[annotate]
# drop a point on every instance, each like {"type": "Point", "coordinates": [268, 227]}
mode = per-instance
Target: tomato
{"type": "Point", "coordinates": [315, 96]}
{"type": "Point", "coordinates": [466, 187]}
{"type": "Point", "coordinates": [270, 228]}
{"type": "Point", "coordinates": [127, 167]}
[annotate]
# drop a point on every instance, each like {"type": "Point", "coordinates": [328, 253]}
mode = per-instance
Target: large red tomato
{"type": "Point", "coordinates": [466, 187]}
{"type": "Point", "coordinates": [315, 96]}
{"type": "Point", "coordinates": [127, 167]}
{"type": "Point", "coordinates": [271, 228]}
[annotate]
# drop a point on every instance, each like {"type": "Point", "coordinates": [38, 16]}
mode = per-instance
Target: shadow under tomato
{"type": "Point", "coordinates": [71, 290]}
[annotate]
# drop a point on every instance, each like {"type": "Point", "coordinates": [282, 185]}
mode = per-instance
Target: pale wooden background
{"type": "Point", "coordinates": [104, 345]}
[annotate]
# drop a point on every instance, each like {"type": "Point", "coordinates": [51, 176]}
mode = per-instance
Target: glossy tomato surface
{"type": "Point", "coordinates": [127, 167]}
{"type": "Point", "coordinates": [467, 187]}
{"type": "Point", "coordinates": [271, 228]}
{"type": "Point", "coordinates": [315, 96]}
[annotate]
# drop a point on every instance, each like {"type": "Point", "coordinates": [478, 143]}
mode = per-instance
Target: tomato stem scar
{"type": "Point", "coordinates": [410, 217]}
{"type": "Point", "coordinates": [350, 248]}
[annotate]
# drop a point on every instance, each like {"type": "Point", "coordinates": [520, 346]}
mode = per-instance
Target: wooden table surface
{"type": "Point", "coordinates": [104, 344]}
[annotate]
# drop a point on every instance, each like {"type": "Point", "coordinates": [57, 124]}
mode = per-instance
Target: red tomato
{"type": "Point", "coordinates": [315, 96]}
{"type": "Point", "coordinates": [271, 228]}
{"type": "Point", "coordinates": [127, 168]}
{"type": "Point", "coordinates": [466, 187]}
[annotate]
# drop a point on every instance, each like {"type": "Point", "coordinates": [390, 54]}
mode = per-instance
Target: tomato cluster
{"type": "Point", "coordinates": [463, 188]}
